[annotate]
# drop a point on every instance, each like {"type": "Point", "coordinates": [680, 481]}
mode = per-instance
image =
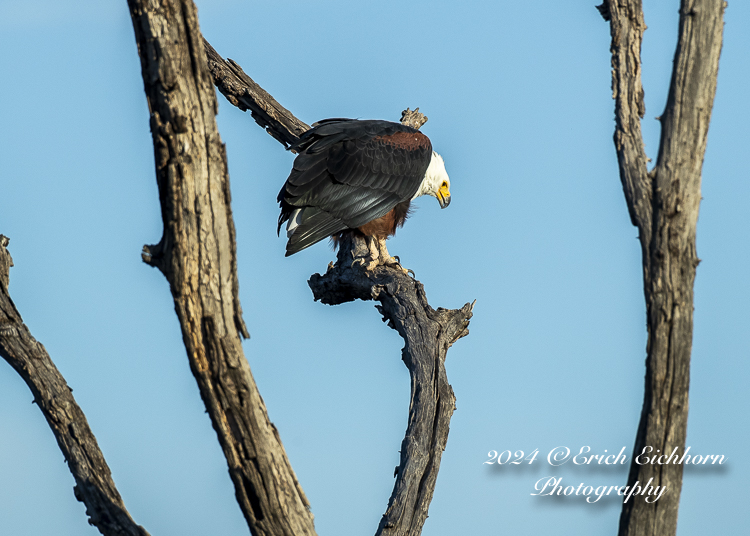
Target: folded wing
{"type": "Point", "coordinates": [348, 173]}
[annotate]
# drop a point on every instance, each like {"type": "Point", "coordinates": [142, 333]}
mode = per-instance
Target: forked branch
{"type": "Point", "coordinates": [664, 204]}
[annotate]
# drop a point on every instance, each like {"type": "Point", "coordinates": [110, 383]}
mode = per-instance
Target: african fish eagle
{"type": "Point", "coordinates": [358, 176]}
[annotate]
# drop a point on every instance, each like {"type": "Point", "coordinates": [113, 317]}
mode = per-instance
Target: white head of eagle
{"type": "Point", "coordinates": [360, 176]}
{"type": "Point", "coordinates": [436, 181]}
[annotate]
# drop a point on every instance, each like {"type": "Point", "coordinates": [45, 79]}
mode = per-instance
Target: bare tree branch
{"type": "Point", "coordinates": [197, 255]}
{"type": "Point", "coordinates": [427, 335]}
{"type": "Point", "coordinates": [241, 91]}
{"type": "Point", "coordinates": [94, 486]}
{"type": "Point", "coordinates": [664, 205]}
{"type": "Point", "coordinates": [627, 27]}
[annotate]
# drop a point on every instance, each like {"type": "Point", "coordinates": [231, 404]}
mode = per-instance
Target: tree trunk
{"type": "Point", "coordinates": [197, 256]}
{"type": "Point", "coordinates": [664, 204]}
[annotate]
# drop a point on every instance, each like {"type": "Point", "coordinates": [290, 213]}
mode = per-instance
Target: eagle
{"type": "Point", "coordinates": [358, 176]}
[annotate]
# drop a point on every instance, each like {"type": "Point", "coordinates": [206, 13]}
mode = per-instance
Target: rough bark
{"type": "Point", "coordinates": [413, 118]}
{"type": "Point", "coordinates": [427, 334]}
{"type": "Point", "coordinates": [94, 486]}
{"type": "Point", "coordinates": [241, 91]}
{"type": "Point", "coordinates": [664, 204]}
{"type": "Point", "coordinates": [197, 255]}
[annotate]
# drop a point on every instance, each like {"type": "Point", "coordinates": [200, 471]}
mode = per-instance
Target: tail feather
{"type": "Point", "coordinates": [309, 226]}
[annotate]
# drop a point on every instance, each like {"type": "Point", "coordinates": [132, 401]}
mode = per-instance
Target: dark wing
{"type": "Point", "coordinates": [348, 173]}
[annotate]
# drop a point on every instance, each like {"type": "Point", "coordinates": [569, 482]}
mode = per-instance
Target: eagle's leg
{"type": "Point", "coordinates": [385, 257]}
{"type": "Point", "coordinates": [372, 260]}
{"type": "Point", "coordinates": [375, 257]}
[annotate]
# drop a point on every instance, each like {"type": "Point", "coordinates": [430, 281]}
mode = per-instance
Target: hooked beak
{"type": "Point", "coordinates": [444, 197]}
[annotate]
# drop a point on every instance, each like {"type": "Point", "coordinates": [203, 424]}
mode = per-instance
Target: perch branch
{"type": "Point", "coordinates": [197, 255]}
{"type": "Point", "coordinates": [94, 485]}
{"type": "Point", "coordinates": [427, 334]}
{"type": "Point", "coordinates": [664, 206]}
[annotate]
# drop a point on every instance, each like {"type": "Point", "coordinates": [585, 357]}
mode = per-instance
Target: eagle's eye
{"type": "Point", "coordinates": [444, 185]}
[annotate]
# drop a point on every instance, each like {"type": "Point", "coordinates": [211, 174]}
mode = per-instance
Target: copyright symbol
{"type": "Point", "coordinates": [558, 455]}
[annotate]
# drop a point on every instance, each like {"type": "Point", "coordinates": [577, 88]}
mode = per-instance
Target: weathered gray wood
{"type": "Point", "coordinates": [664, 206]}
{"type": "Point", "coordinates": [197, 255]}
{"type": "Point", "coordinates": [243, 92]}
{"type": "Point", "coordinates": [627, 27]}
{"type": "Point", "coordinates": [427, 334]}
{"type": "Point", "coordinates": [94, 486]}
{"type": "Point", "coordinates": [413, 118]}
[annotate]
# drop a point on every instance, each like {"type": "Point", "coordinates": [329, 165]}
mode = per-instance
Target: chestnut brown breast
{"type": "Point", "coordinates": [386, 226]}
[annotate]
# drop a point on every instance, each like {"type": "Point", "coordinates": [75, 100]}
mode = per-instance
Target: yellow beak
{"type": "Point", "coordinates": [444, 197]}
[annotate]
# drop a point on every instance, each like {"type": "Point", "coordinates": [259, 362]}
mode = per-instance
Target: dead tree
{"type": "Point", "coordinates": [197, 255]}
{"type": "Point", "coordinates": [663, 205]}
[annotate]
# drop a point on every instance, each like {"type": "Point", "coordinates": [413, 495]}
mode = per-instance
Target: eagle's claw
{"type": "Point", "coordinates": [366, 264]}
{"type": "Point", "coordinates": [394, 263]}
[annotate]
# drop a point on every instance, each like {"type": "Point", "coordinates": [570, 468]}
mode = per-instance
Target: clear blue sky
{"type": "Point", "coordinates": [519, 100]}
